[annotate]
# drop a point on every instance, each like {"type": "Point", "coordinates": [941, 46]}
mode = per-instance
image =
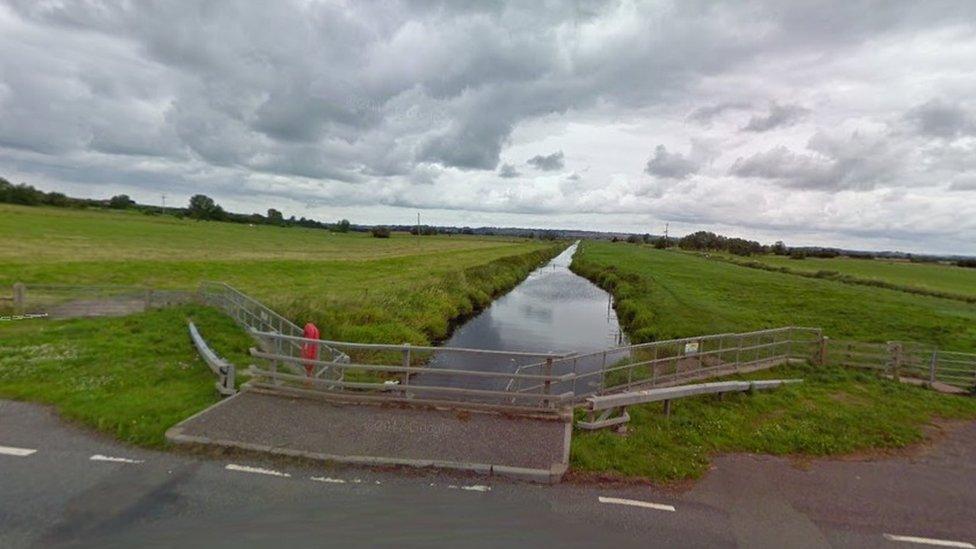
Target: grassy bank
{"type": "Point", "coordinates": [835, 411]}
{"type": "Point", "coordinates": [664, 294]}
{"type": "Point", "coordinates": [402, 289]}
{"type": "Point", "coordinates": [132, 377]}
{"type": "Point", "coordinates": [945, 281]}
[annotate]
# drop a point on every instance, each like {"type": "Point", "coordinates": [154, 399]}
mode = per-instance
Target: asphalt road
{"type": "Point", "coordinates": [59, 495]}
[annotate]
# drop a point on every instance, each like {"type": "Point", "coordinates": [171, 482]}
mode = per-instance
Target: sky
{"type": "Point", "coordinates": [847, 123]}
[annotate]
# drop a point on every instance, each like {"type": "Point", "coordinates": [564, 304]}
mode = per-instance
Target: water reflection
{"type": "Point", "coordinates": [553, 310]}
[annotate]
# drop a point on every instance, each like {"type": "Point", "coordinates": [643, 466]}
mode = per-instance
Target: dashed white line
{"type": "Point", "coordinates": [930, 541]}
{"type": "Point", "coordinates": [13, 451]}
{"type": "Point", "coordinates": [477, 488]}
{"type": "Point", "coordinates": [637, 503]}
{"type": "Point", "coordinates": [329, 480]}
{"type": "Point", "coordinates": [256, 470]}
{"type": "Point", "coordinates": [100, 457]}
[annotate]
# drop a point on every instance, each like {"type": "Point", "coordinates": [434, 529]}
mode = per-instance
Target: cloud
{"type": "Point", "coordinates": [547, 163]}
{"type": "Point", "coordinates": [361, 110]}
{"type": "Point", "coordinates": [707, 113]}
{"type": "Point", "coordinates": [779, 116]}
{"type": "Point", "coordinates": [508, 171]}
{"type": "Point", "coordinates": [941, 119]}
{"type": "Point", "coordinates": [965, 182]}
{"type": "Point", "coordinates": [670, 165]}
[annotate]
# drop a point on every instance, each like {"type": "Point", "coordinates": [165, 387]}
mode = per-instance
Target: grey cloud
{"type": "Point", "coordinates": [966, 182]}
{"type": "Point", "coordinates": [852, 162]}
{"type": "Point", "coordinates": [508, 171]}
{"type": "Point", "coordinates": [778, 116]}
{"type": "Point", "coordinates": [705, 114]}
{"type": "Point", "coordinates": [547, 163]}
{"type": "Point", "coordinates": [670, 165]}
{"type": "Point", "coordinates": [941, 119]}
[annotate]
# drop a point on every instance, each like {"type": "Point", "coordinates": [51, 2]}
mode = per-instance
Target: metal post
{"type": "Point", "coordinates": [149, 294]}
{"type": "Point", "coordinates": [546, 386]}
{"type": "Point", "coordinates": [895, 349]}
{"type": "Point", "coordinates": [789, 344]}
{"type": "Point", "coordinates": [274, 363]}
{"type": "Point", "coordinates": [935, 358]}
{"type": "Point", "coordinates": [822, 356]}
{"type": "Point", "coordinates": [738, 351]}
{"type": "Point", "coordinates": [20, 296]}
{"type": "Point", "coordinates": [406, 363]}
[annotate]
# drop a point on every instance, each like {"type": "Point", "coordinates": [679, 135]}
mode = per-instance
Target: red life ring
{"type": "Point", "coordinates": [310, 350]}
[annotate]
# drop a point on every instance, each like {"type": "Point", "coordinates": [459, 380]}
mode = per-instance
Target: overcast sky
{"type": "Point", "coordinates": [848, 123]}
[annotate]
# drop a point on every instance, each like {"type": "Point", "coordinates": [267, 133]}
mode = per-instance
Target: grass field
{"type": "Point", "coordinates": [923, 278]}
{"type": "Point", "coordinates": [401, 289]}
{"type": "Point", "coordinates": [834, 411]}
{"type": "Point", "coordinates": [132, 377]}
{"type": "Point", "coordinates": [664, 294]}
{"type": "Point", "coordinates": [136, 376]}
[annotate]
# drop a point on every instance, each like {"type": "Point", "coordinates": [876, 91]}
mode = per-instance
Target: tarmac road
{"type": "Point", "coordinates": [74, 489]}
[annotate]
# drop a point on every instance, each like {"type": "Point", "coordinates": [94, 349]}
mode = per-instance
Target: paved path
{"type": "Point", "coordinates": [79, 489]}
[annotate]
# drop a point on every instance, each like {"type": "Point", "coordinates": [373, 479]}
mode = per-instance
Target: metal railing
{"type": "Point", "coordinates": [75, 300]}
{"type": "Point", "coordinates": [256, 317]}
{"type": "Point", "coordinates": [899, 359]}
{"type": "Point", "coordinates": [224, 370]}
{"type": "Point", "coordinates": [402, 372]}
{"type": "Point", "coordinates": [676, 361]}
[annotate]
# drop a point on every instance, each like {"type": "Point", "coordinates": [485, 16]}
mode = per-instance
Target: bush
{"type": "Point", "coordinates": [380, 232]}
{"type": "Point", "coordinates": [798, 254]}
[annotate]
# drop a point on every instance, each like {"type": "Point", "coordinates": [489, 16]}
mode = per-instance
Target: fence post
{"type": "Point", "coordinates": [895, 349]}
{"type": "Point", "coordinates": [406, 363]}
{"type": "Point", "coordinates": [547, 384]}
{"type": "Point", "coordinates": [20, 295]}
{"type": "Point", "coordinates": [932, 363]}
{"type": "Point", "coordinates": [274, 363]}
{"type": "Point", "coordinates": [822, 352]}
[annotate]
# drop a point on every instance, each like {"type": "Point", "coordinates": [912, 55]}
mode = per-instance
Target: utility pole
{"type": "Point", "coordinates": [164, 202]}
{"type": "Point", "coordinates": [418, 223]}
{"type": "Point", "coordinates": [666, 241]}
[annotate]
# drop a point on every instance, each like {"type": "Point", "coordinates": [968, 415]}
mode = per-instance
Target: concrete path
{"type": "Point", "coordinates": [62, 486]}
{"type": "Point", "coordinates": [529, 448]}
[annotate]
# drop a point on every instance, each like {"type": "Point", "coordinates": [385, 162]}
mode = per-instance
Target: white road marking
{"type": "Point", "coordinates": [477, 488]}
{"type": "Point", "coordinates": [329, 480]}
{"type": "Point", "coordinates": [930, 541]}
{"type": "Point", "coordinates": [19, 452]}
{"type": "Point", "coordinates": [637, 503]}
{"type": "Point", "coordinates": [257, 470]}
{"type": "Point", "coordinates": [100, 457]}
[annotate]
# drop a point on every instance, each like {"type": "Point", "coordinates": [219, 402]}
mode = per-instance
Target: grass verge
{"type": "Point", "coordinates": [131, 377]}
{"type": "Point", "coordinates": [835, 411]}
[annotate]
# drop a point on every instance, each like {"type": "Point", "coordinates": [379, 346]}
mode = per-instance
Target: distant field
{"type": "Point", "coordinates": [936, 277]}
{"type": "Point", "coordinates": [402, 289]}
{"type": "Point", "coordinates": [664, 294]}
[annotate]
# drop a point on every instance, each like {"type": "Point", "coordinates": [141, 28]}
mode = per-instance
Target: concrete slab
{"type": "Point", "coordinates": [531, 448]}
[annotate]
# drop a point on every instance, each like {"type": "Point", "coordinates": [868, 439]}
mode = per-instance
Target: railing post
{"type": "Point", "coordinates": [274, 363]}
{"type": "Point", "coordinates": [894, 348]}
{"type": "Point", "coordinates": [822, 352]}
{"type": "Point", "coordinates": [932, 364]}
{"type": "Point", "coordinates": [20, 296]}
{"type": "Point", "coordinates": [547, 384]}
{"type": "Point", "coordinates": [406, 363]}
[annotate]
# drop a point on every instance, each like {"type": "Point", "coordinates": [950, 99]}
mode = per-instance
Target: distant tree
{"type": "Point", "coordinates": [20, 194]}
{"type": "Point", "coordinates": [634, 239]}
{"type": "Point", "coordinates": [779, 248]}
{"type": "Point", "coordinates": [661, 243]}
{"type": "Point", "coordinates": [647, 239]}
{"type": "Point", "coordinates": [380, 232]}
{"type": "Point", "coordinates": [342, 226]}
{"type": "Point", "coordinates": [275, 217]}
{"type": "Point", "coordinates": [969, 262]}
{"type": "Point", "coordinates": [57, 199]}
{"type": "Point", "coordinates": [203, 207]}
{"type": "Point", "coordinates": [121, 202]}
{"type": "Point", "coordinates": [798, 254]}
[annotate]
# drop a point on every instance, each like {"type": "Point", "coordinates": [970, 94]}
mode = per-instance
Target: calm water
{"type": "Point", "coordinates": [553, 310]}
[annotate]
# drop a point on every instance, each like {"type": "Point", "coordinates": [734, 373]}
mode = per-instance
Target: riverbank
{"type": "Point", "coordinates": [663, 294]}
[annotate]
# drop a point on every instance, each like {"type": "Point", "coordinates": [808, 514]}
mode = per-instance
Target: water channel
{"type": "Point", "coordinates": [552, 310]}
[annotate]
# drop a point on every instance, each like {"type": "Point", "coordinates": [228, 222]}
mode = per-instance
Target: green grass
{"type": "Point", "coordinates": [835, 411]}
{"type": "Point", "coordinates": [132, 377]}
{"type": "Point", "coordinates": [931, 279]}
{"type": "Point", "coordinates": [136, 376]}
{"type": "Point", "coordinates": [666, 294]}
{"type": "Point", "coordinates": [354, 287]}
